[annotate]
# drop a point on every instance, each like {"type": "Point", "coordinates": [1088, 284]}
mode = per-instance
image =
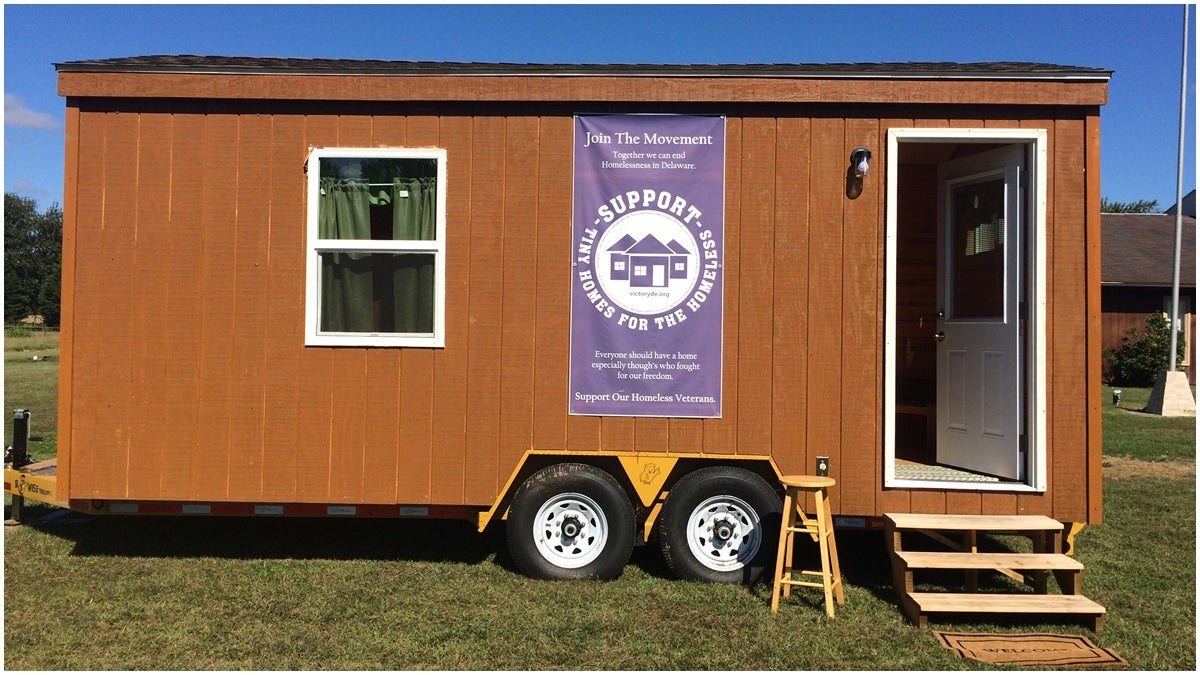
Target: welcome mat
{"type": "Point", "coordinates": [1041, 650]}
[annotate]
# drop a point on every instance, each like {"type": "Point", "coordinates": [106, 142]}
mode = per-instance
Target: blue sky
{"type": "Point", "coordinates": [1142, 43]}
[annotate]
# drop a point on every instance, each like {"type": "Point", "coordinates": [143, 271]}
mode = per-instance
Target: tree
{"type": "Point", "coordinates": [1140, 206]}
{"type": "Point", "coordinates": [32, 258]}
{"type": "Point", "coordinates": [50, 297]}
{"type": "Point", "coordinates": [1143, 354]}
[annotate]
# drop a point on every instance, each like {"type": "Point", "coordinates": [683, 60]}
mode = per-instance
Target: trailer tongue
{"type": "Point", "coordinates": [25, 477]}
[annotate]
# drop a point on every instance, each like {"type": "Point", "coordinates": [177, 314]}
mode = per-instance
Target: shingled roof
{"type": "Point", "coordinates": [183, 63]}
{"type": "Point", "coordinates": [1138, 249]}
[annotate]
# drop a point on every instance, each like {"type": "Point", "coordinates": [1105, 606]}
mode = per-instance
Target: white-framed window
{"type": "Point", "coordinates": [376, 263]}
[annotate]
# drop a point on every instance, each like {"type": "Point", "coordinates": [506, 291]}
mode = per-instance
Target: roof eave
{"type": "Point", "coordinates": [898, 71]}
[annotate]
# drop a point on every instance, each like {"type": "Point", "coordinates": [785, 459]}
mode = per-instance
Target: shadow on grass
{"type": "Point", "coordinates": [273, 538]}
{"type": "Point", "coordinates": [862, 553]}
{"type": "Point", "coordinates": [863, 557]}
{"type": "Point", "coordinates": [864, 562]}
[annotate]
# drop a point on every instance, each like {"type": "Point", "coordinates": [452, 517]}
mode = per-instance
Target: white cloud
{"type": "Point", "coordinates": [17, 114]}
{"type": "Point", "coordinates": [27, 188]}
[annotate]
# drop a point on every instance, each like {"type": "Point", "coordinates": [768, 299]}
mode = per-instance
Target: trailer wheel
{"type": "Point", "coordinates": [719, 525]}
{"type": "Point", "coordinates": [571, 521]}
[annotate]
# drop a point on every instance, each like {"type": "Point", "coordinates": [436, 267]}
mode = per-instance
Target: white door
{"type": "Point", "coordinates": [979, 355]}
{"type": "Point", "coordinates": [660, 275]}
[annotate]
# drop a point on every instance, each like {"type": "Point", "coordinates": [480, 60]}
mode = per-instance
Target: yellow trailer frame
{"type": "Point", "coordinates": [37, 481]}
{"type": "Point", "coordinates": [648, 475]}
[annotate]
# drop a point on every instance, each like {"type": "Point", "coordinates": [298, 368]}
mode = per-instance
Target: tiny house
{"type": "Point", "coordinates": [610, 304]}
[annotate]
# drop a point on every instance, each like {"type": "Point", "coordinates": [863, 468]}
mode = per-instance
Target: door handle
{"type": "Point", "coordinates": [939, 336]}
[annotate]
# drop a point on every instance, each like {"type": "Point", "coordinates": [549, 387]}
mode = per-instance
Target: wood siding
{"type": "Point", "coordinates": [185, 375]}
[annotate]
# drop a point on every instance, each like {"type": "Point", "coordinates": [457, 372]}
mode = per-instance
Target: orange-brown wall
{"type": "Point", "coordinates": [185, 375]}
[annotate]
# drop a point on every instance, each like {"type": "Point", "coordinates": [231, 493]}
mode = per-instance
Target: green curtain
{"type": "Point", "coordinates": [414, 217]}
{"type": "Point", "coordinates": [354, 284]}
{"type": "Point", "coordinates": [346, 278]}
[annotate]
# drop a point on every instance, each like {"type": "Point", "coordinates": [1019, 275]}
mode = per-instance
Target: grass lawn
{"type": "Point", "coordinates": [1130, 433]}
{"type": "Point", "coordinates": [32, 385]}
{"type": "Point", "coordinates": [326, 594]}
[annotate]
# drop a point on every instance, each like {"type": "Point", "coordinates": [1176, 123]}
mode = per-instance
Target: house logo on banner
{"type": "Point", "coordinates": [646, 309]}
{"type": "Point", "coordinates": [648, 260]}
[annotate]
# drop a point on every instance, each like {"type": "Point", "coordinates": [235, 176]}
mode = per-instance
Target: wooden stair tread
{"type": "Point", "coordinates": [934, 521]}
{"type": "Point", "coordinates": [1006, 603]}
{"type": "Point", "coordinates": [953, 560]}
{"type": "Point", "coordinates": [1044, 533]}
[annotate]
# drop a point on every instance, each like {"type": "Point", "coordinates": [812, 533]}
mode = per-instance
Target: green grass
{"type": "Point", "coordinates": [210, 593]}
{"type": "Point", "coordinates": [331, 594]}
{"type": "Point", "coordinates": [1130, 433]}
{"type": "Point", "coordinates": [246, 594]}
{"type": "Point", "coordinates": [32, 385]}
{"type": "Point", "coordinates": [1141, 565]}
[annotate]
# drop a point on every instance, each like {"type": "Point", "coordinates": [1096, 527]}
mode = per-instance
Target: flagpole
{"type": "Point", "coordinates": [1179, 197]}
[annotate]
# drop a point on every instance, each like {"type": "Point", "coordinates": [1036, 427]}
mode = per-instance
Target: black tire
{"type": "Point", "coordinates": [720, 524]}
{"type": "Point", "coordinates": [571, 521]}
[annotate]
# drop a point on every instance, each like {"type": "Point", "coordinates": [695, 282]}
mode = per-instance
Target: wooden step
{"type": "Point", "coordinates": [944, 560]}
{"type": "Point", "coordinates": [1044, 534]}
{"type": "Point", "coordinates": [996, 603]}
{"type": "Point", "coordinates": [952, 522]}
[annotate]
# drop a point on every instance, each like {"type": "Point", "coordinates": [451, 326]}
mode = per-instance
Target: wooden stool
{"type": "Point", "coordinates": [820, 528]}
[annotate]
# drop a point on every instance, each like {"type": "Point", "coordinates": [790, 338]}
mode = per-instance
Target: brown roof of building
{"type": "Point", "coordinates": [915, 70]}
{"type": "Point", "coordinates": [1138, 249]}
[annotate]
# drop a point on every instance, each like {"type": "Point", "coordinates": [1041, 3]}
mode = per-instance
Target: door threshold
{"type": "Point", "coordinates": [940, 473]}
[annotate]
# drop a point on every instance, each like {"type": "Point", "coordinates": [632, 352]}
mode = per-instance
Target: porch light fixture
{"type": "Point", "coordinates": [860, 164]}
{"type": "Point", "coordinates": [860, 161]}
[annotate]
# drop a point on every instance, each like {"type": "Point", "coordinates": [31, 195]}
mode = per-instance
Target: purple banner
{"type": "Point", "coordinates": [647, 254]}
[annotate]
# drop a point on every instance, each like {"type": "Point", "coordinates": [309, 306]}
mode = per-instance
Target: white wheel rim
{"type": "Point", "coordinates": [724, 533]}
{"type": "Point", "coordinates": [570, 530]}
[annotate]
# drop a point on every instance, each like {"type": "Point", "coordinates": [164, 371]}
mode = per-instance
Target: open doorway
{"type": "Point", "coordinates": [964, 399]}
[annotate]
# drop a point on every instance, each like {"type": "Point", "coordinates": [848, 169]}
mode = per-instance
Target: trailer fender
{"type": "Point", "coordinates": [646, 474]}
